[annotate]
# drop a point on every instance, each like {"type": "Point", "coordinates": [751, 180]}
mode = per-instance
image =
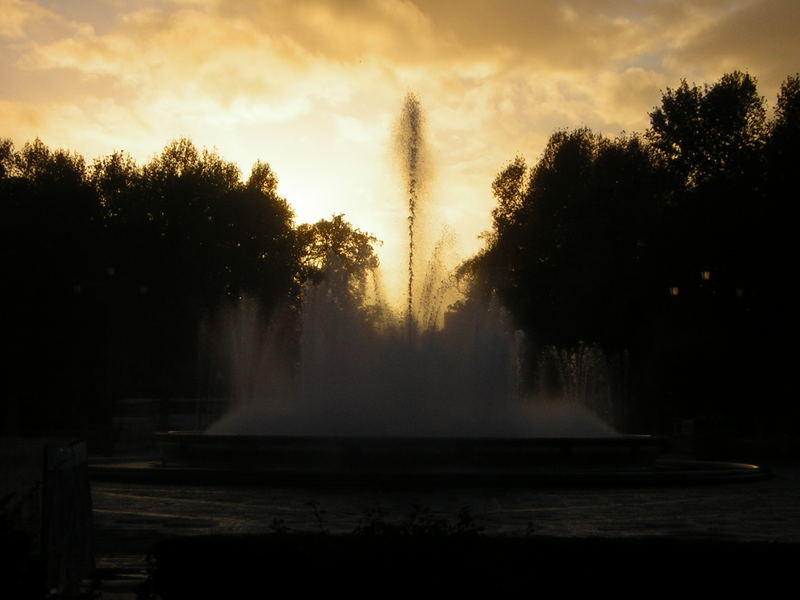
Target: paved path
{"type": "Point", "coordinates": [129, 517]}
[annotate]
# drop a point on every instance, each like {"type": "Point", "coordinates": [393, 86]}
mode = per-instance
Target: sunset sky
{"type": "Point", "coordinates": [315, 88]}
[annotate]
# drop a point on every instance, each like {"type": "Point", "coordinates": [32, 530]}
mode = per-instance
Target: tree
{"type": "Point", "coordinates": [508, 188]}
{"type": "Point", "coordinates": [775, 229]}
{"type": "Point", "coordinates": [570, 250]}
{"type": "Point", "coordinates": [334, 248]}
{"type": "Point", "coordinates": [263, 179]}
{"type": "Point", "coordinates": [670, 248]}
{"type": "Point", "coordinates": [208, 239]}
{"type": "Point", "coordinates": [703, 133]}
{"type": "Point", "coordinates": [220, 237]}
{"type": "Point", "coordinates": [783, 145]}
{"type": "Point", "coordinates": [712, 141]}
{"type": "Point", "coordinates": [488, 271]}
{"type": "Point", "coordinates": [715, 249]}
{"type": "Point", "coordinates": [6, 157]}
{"type": "Point", "coordinates": [267, 248]}
{"type": "Point", "coordinates": [53, 249]}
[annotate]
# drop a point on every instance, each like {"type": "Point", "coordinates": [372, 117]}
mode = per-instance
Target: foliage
{"type": "Point", "coordinates": [420, 522]}
{"type": "Point", "coordinates": [709, 132]}
{"type": "Point", "coordinates": [337, 238]}
{"type": "Point", "coordinates": [669, 248]}
{"type": "Point", "coordinates": [337, 250]}
{"type": "Point", "coordinates": [111, 268]}
{"type": "Point", "coordinates": [569, 240]}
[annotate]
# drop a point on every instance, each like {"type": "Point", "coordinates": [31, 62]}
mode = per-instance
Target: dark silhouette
{"type": "Point", "coordinates": [111, 268]}
{"type": "Point", "coordinates": [667, 250]}
{"type": "Point", "coordinates": [332, 246]}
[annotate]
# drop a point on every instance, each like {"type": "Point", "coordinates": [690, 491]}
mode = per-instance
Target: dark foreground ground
{"type": "Point", "coordinates": [182, 541]}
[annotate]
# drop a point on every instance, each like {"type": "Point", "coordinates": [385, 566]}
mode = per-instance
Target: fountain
{"type": "Point", "coordinates": [377, 394]}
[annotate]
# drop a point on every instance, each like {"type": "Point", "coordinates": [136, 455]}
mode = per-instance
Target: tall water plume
{"type": "Point", "coordinates": [412, 152]}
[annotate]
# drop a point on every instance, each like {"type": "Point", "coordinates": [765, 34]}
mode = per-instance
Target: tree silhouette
{"type": "Point", "coordinates": [568, 242]}
{"type": "Point", "coordinates": [111, 269]}
{"type": "Point", "coordinates": [710, 132]}
{"type": "Point", "coordinates": [52, 252]}
{"type": "Point", "coordinates": [335, 249]}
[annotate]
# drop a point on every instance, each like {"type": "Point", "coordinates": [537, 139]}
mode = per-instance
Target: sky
{"type": "Point", "coordinates": [315, 87]}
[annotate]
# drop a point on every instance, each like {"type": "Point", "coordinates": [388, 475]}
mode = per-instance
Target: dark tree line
{"type": "Point", "coordinates": [670, 249]}
{"type": "Point", "coordinates": [110, 269]}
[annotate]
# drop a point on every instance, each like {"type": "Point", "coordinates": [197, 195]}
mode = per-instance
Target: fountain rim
{"type": "Point", "coordinates": [412, 453]}
{"type": "Point", "coordinates": [416, 457]}
{"type": "Point", "coordinates": [246, 469]}
{"type": "Point", "coordinates": [617, 439]}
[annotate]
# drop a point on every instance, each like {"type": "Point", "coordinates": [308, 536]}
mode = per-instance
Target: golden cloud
{"type": "Point", "coordinates": [18, 17]}
{"type": "Point", "coordinates": [762, 37]}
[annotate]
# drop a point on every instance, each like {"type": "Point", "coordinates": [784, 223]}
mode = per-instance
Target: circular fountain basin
{"type": "Point", "coordinates": [356, 453]}
{"type": "Point", "coordinates": [195, 458]}
{"type": "Point", "coordinates": [189, 457]}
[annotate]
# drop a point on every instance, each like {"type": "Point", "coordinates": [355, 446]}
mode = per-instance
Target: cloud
{"type": "Point", "coordinates": [303, 54]}
{"type": "Point", "coordinates": [279, 50]}
{"type": "Point", "coordinates": [20, 17]}
{"type": "Point", "coordinates": [759, 36]}
{"type": "Point", "coordinates": [19, 118]}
